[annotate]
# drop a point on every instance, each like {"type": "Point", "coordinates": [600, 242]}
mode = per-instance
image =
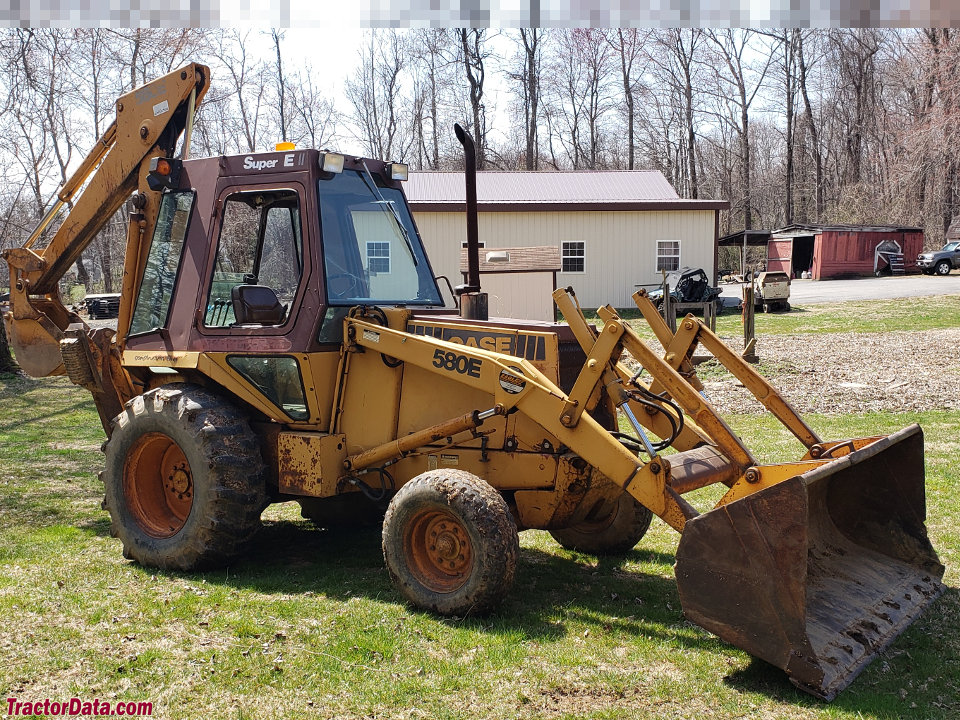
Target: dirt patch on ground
{"type": "Point", "coordinates": [839, 373]}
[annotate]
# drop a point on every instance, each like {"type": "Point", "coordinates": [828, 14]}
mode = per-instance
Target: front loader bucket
{"type": "Point", "coordinates": [819, 573]}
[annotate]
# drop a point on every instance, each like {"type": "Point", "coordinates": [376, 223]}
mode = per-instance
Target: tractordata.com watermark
{"type": "Point", "coordinates": [75, 707]}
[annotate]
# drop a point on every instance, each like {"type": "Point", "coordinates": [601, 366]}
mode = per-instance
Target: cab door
{"type": "Point", "coordinates": [250, 322]}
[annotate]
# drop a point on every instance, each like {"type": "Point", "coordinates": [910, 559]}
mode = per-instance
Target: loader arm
{"type": "Point", "coordinates": [813, 565]}
{"type": "Point", "coordinates": [148, 123]}
{"type": "Point", "coordinates": [516, 384]}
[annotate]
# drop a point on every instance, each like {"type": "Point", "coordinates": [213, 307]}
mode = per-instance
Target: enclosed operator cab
{"type": "Point", "coordinates": [259, 276]}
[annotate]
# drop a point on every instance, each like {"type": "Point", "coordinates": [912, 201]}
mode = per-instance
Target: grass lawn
{"type": "Point", "coordinates": [922, 313]}
{"type": "Point", "coordinates": [308, 624]}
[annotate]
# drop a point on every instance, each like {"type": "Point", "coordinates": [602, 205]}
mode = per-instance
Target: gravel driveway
{"type": "Point", "coordinates": [808, 292]}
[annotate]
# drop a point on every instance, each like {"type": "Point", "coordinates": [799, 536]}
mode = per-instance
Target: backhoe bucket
{"type": "Point", "coordinates": [819, 573]}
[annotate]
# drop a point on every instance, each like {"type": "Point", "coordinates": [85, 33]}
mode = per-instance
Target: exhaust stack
{"type": "Point", "coordinates": [473, 303]}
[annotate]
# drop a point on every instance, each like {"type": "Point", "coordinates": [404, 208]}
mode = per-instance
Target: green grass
{"type": "Point", "coordinates": [308, 624]}
{"type": "Point", "coordinates": [927, 313]}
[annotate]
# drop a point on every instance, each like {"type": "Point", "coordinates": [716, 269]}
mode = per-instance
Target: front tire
{"type": "Point", "coordinates": [942, 268]}
{"type": "Point", "coordinates": [615, 533]}
{"type": "Point", "coordinates": [184, 479]}
{"type": "Point", "coordinates": [450, 543]}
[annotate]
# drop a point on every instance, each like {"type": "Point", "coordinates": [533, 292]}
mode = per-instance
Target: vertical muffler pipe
{"type": "Point", "coordinates": [473, 303]}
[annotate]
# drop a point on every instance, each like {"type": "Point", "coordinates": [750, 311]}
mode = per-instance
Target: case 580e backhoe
{"type": "Point", "coordinates": [282, 337]}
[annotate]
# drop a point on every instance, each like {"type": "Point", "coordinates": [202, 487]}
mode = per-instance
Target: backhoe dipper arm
{"type": "Point", "coordinates": [148, 123]}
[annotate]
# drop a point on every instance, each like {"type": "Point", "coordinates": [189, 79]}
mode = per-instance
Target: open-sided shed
{"type": "Point", "coordinates": [828, 251]}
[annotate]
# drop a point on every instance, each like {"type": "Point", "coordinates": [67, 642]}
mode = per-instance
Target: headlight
{"type": "Point", "coordinates": [331, 162]}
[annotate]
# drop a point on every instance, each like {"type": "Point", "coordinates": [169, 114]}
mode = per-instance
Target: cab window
{"type": "Point", "coordinates": [163, 263]}
{"type": "Point", "coordinates": [259, 260]}
{"type": "Point", "coordinates": [371, 249]}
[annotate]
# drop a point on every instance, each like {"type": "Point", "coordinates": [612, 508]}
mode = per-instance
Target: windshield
{"type": "Point", "coordinates": [950, 247]}
{"type": "Point", "coordinates": [371, 250]}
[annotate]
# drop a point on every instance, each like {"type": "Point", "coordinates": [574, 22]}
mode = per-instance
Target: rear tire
{"type": "Point", "coordinates": [450, 543]}
{"type": "Point", "coordinates": [615, 534]}
{"type": "Point", "coordinates": [184, 479]}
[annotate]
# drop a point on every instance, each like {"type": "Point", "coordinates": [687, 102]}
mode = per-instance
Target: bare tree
{"type": "Point", "coordinates": [675, 59]}
{"type": "Point", "coordinates": [805, 59]}
{"type": "Point", "coordinates": [314, 119]}
{"type": "Point", "coordinates": [247, 88]}
{"type": "Point", "coordinates": [787, 44]}
{"type": "Point", "coordinates": [855, 53]}
{"type": "Point", "coordinates": [735, 93]}
{"type": "Point", "coordinates": [375, 94]}
{"type": "Point", "coordinates": [628, 46]}
{"type": "Point", "coordinates": [581, 96]}
{"type": "Point", "coordinates": [529, 81]}
{"type": "Point", "coordinates": [433, 55]}
{"type": "Point", "coordinates": [473, 56]}
{"type": "Point", "coordinates": [277, 36]}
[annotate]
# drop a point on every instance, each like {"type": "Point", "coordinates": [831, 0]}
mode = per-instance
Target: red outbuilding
{"type": "Point", "coordinates": [830, 251]}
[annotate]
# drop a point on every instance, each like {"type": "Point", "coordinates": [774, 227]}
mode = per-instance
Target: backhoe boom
{"type": "Point", "coordinates": [148, 123]}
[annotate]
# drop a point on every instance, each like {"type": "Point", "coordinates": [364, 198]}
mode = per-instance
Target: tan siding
{"type": "Point", "coordinates": [620, 247]}
{"type": "Point", "coordinates": [520, 295]}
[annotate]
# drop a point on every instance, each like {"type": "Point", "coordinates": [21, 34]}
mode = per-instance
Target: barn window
{"type": "Point", "coordinates": [668, 255]}
{"type": "Point", "coordinates": [574, 256]}
{"type": "Point", "coordinates": [378, 257]}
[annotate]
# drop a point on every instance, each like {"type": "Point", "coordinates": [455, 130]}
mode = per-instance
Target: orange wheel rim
{"type": "Point", "coordinates": [439, 550]}
{"type": "Point", "coordinates": [158, 485]}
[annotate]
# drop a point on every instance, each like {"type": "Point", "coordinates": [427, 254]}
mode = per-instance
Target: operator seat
{"type": "Point", "coordinates": [256, 305]}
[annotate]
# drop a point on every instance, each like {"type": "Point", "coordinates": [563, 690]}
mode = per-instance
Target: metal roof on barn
{"type": "Point", "coordinates": [803, 229]}
{"type": "Point", "coordinates": [531, 191]}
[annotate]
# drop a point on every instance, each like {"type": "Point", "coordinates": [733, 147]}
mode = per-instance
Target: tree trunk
{"type": "Point", "coordinates": [530, 40]}
{"type": "Point", "coordinates": [470, 43]}
{"type": "Point", "coordinates": [790, 44]}
{"type": "Point", "coordinates": [82, 275]}
{"type": "Point", "coordinates": [814, 134]}
{"type": "Point", "coordinates": [625, 75]}
{"type": "Point", "coordinates": [280, 83]}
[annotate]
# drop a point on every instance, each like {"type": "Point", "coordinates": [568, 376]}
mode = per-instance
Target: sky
{"type": "Point", "coordinates": [333, 56]}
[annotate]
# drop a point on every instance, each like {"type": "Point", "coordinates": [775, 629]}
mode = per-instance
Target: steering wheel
{"type": "Point", "coordinates": [348, 282]}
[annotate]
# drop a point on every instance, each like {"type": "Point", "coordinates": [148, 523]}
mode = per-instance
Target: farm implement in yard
{"type": "Point", "coordinates": [282, 337]}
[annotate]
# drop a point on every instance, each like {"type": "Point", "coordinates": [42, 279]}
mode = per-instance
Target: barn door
{"type": "Point", "coordinates": [780, 256]}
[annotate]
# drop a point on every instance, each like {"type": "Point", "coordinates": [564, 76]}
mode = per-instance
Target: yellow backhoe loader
{"type": "Point", "coordinates": [281, 336]}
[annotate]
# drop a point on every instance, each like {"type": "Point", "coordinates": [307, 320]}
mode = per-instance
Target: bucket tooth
{"type": "Point", "coordinates": [819, 573]}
